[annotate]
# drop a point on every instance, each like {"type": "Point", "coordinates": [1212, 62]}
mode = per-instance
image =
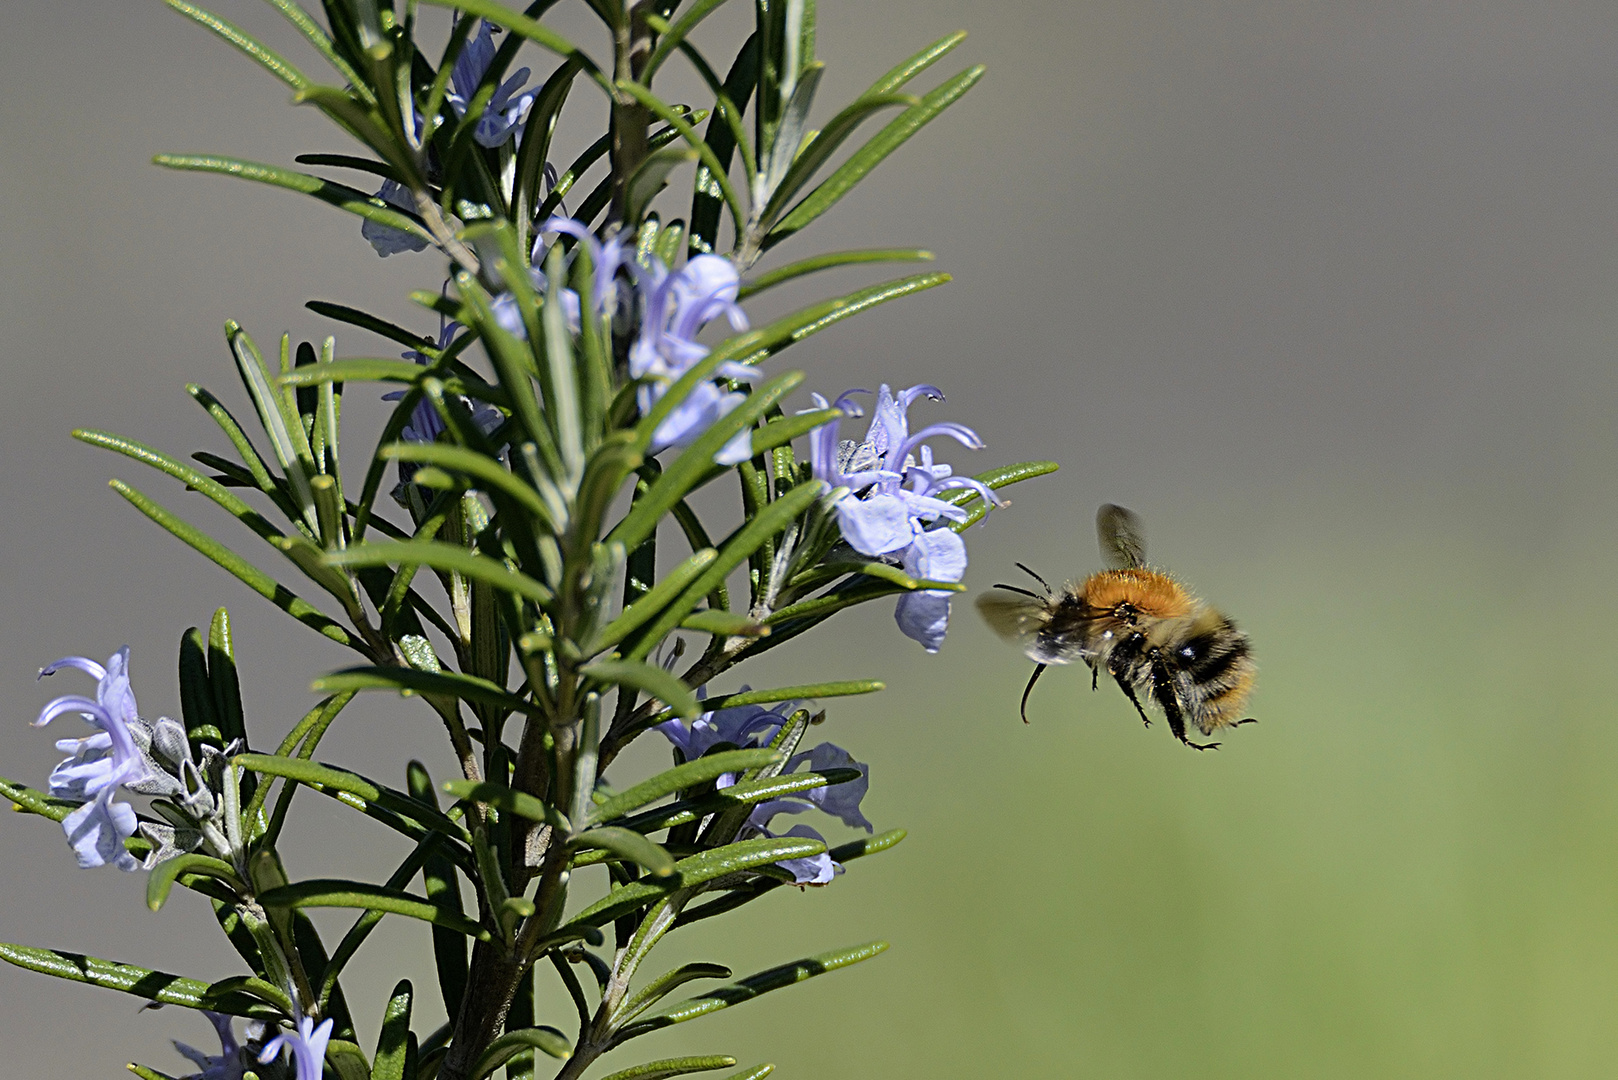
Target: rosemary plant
{"type": "Point", "coordinates": [521, 552]}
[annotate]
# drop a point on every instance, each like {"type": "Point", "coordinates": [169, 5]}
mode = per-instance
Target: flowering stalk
{"type": "Point", "coordinates": [594, 367]}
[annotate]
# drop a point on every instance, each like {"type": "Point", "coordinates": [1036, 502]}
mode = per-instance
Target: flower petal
{"type": "Point", "coordinates": [924, 617]}
{"type": "Point", "coordinates": [814, 869]}
{"type": "Point", "coordinates": [97, 831]}
{"type": "Point", "coordinates": [937, 555]}
{"type": "Point", "coordinates": [876, 525]}
{"type": "Point", "coordinates": [385, 239]}
{"type": "Point", "coordinates": [841, 801]}
{"type": "Point", "coordinates": [742, 726]}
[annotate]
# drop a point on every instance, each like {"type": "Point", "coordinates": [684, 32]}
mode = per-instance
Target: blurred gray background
{"type": "Point", "coordinates": [1328, 292]}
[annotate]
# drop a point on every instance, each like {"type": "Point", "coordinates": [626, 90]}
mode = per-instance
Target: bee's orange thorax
{"type": "Point", "coordinates": [1153, 594]}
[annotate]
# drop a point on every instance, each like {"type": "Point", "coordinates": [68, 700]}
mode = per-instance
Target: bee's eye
{"type": "Point", "coordinates": [1188, 652]}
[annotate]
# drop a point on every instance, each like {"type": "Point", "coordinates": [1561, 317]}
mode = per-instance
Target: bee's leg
{"type": "Point", "coordinates": [1124, 656]}
{"type": "Point", "coordinates": [1129, 692]}
{"type": "Point", "coordinates": [1095, 678]}
{"type": "Point", "coordinates": [1039, 669]}
{"type": "Point", "coordinates": [1163, 694]}
{"type": "Point", "coordinates": [1249, 720]}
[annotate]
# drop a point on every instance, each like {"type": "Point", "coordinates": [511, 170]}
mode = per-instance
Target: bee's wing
{"type": "Point", "coordinates": [1122, 536]}
{"type": "Point", "coordinates": [1015, 618]}
{"type": "Point", "coordinates": [1019, 619]}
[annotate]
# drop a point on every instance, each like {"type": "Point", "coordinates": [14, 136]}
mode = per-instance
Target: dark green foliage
{"type": "Point", "coordinates": [515, 587]}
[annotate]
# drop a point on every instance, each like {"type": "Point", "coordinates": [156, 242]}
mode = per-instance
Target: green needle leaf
{"type": "Point", "coordinates": [701, 771]}
{"type": "Point", "coordinates": [280, 421]}
{"type": "Point", "coordinates": [163, 876]}
{"type": "Point", "coordinates": [649, 678]}
{"type": "Point", "coordinates": [751, 987]}
{"type": "Point", "coordinates": [450, 558]}
{"type": "Point", "coordinates": [228, 996]}
{"type": "Point", "coordinates": [745, 793]}
{"type": "Point", "coordinates": [783, 430]}
{"type": "Point", "coordinates": [29, 800]}
{"type": "Point", "coordinates": [732, 553]}
{"type": "Point", "coordinates": [366, 321]}
{"type": "Point", "coordinates": [837, 131]}
{"type": "Point", "coordinates": [724, 624]}
{"type": "Point", "coordinates": [869, 156]}
{"type": "Point", "coordinates": [696, 462]}
{"type": "Point", "coordinates": [485, 471]}
{"type": "Point", "coordinates": [671, 116]}
{"type": "Point", "coordinates": [697, 870]}
{"type": "Point", "coordinates": [871, 845]}
{"type": "Point", "coordinates": [147, 1074]}
{"type": "Point", "coordinates": [758, 345]}
{"type": "Point", "coordinates": [393, 1045]}
{"type": "Point", "coordinates": [665, 984]}
{"type": "Point", "coordinates": [677, 33]}
{"type": "Point", "coordinates": [804, 692]}
{"type": "Point", "coordinates": [266, 58]}
{"type": "Point", "coordinates": [322, 43]}
{"type": "Point", "coordinates": [344, 198]}
{"type": "Point", "coordinates": [652, 176]}
{"type": "Point", "coordinates": [628, 845]}
{"type": "Point", "coordinates": [326, 779]}
{"type": "Point", "coordinates": [545, 1039]}
{"type": "Point", "coordinates": [326, 892]}
{"type": "Point", "coordinates": [661, 1070]}
{"type": "Point", "coordinates": [348, 161]}
{"type": "Point", "coordinates": [246, 572]}
{"type": "Point", "coordinates": [531, 29]}
{"type": "Point", "coordinates": [915, 65]}
{"type": "Point", "coordinates": [185, 474]}
{"type": "Point", "coordinates": [994, 479]}
{"type": "Point", "coordinates": [254, 462]}
{"type": "Point", "coordinates": [468, 688]}
{"type": "Point", "coordinates": [828, 261]}
{"type": "Point", "coordinates": [508, 800]}
{"type": "Point", "coordinates": [656, 599]}
{"type": "Point", "coordinates": [356, 369]}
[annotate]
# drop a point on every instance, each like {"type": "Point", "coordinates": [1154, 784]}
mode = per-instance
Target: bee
{"type": "Point", "coordinates": [1139, 625]}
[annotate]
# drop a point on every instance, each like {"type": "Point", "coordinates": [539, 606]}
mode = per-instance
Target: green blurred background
{"type": "Point", "coordinates": [1325, 291]}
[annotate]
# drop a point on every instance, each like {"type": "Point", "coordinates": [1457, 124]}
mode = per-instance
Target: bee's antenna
{"type": "Point", "coordinates": [1035, 576]}
{"type": "Point", "coordinates": [1013, 588]}
{"type": "Point", "coordinates": [1039, 669]}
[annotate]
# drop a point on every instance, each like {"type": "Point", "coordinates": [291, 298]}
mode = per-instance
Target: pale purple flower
{"type": "Point", "coordinates": [385, 238]}
{"type": "Point", "coordinates": [885, 495]}
{"type": "Point", "coordinates": [606, 257]}
{"type": "Point", "coordinates": [675, 306]}
{"type": "Point", "coordinates": [507, 108]}
{"type": "Point", "coordinates": [307, 1045]}
{"type": "Point", "coordinates": [891, 494]}
{"type": "Point", "coordinates": [923, 615]}
{"type": "Point", "coordinates": [508, 316]}
{"type": "Point", "coordinates": [754, 725]}
{"type": "Point", "coordinates": [841, 801]}
{"type": "Point", "coordinates": [100, 763]}
{"type": "Point", "coordinates": [425, 424]}
{"type": "Point", "coordinates": [819, 869]}
{"type": "Point", "coordinates": [744, 727]}
{"type": "Point", "coordinates": [227, 1065]}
